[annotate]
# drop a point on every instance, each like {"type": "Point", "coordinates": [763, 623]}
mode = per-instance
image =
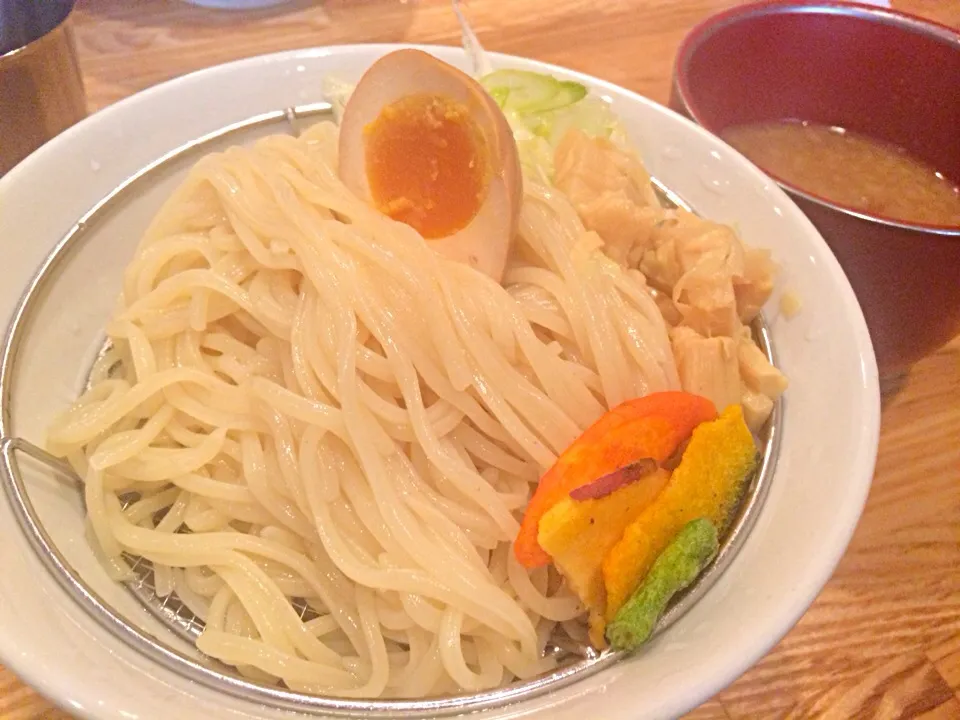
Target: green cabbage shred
{"type": "Point", "coordinates": [540, 108]}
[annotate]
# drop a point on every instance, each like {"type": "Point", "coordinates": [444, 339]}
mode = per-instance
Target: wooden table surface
{"type": "Point", "coordinates": [883, 638]}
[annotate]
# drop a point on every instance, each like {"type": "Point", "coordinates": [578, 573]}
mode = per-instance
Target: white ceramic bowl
{"type": "Point", "coordinates": [829, 431]}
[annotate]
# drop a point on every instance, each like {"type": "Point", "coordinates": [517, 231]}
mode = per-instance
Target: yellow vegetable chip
{"type": "Point", "coordinates": [577, 534]}
{"type": "Point", "coordinates": [707, 483]}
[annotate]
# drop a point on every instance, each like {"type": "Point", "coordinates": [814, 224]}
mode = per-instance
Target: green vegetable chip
{"type": "Point", "coordinates": [690, 551]}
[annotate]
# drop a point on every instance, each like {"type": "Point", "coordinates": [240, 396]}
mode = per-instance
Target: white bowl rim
{"type": "Point", "coordinates": [82, 698]}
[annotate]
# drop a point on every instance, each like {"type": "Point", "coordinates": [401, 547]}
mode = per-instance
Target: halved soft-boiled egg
{"type": "Point", "coordinates": [426, 145]}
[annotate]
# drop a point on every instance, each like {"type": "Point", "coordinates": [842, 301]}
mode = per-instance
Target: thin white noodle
{"type": "Point", "coordinates": [339, 416]}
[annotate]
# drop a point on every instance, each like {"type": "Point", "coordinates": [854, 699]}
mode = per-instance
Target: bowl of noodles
{"type": "Point", "coordinates": [418, 382]}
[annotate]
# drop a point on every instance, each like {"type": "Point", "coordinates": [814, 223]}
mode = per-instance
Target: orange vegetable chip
{"type": "Point", "coordinates": [651, 426]}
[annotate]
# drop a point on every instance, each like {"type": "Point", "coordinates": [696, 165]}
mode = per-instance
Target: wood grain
{"type": "Point", "coordinates": [883, 638]}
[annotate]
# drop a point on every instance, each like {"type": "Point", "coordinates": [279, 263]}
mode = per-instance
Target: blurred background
{"type": "Point", "coordinates": [167, 38]}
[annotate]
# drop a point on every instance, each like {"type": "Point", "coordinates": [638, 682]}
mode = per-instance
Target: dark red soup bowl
{"type": "Point", "coordinates": [884, 74]}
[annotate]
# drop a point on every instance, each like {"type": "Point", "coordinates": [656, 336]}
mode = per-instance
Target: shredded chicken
{"type": "Point", "coordinates": [756, 408]}
{"type": "Point", "coordinates": [704, 293]}
{"type": "Point", "coordinates": [665, 304]}
{"type": "Point", "coordinates": [754, 286]}
{"type": "Point", "coordinates": [706, 283]}
{"type": "Point", "coordinates": [757, 372]}
{"type": "Point", "coordinates": [707, 366]}
{"type": "Point", "coordinates": [611, 191]}
{"type": "Point", "coordinates": [715, 282]}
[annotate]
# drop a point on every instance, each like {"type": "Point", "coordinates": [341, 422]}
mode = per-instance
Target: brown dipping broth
{"type": "Point", "coordinates": [850, 169]}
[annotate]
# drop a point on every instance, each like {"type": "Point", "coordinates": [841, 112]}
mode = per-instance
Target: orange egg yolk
{"type": "Point", "coordinates": [426, 163]}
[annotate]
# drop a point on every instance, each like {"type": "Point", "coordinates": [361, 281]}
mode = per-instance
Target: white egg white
{"type": "Point", "coordinates": [485, 242]}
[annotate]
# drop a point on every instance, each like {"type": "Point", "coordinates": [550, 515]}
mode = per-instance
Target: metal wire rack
{"type": "Point", "coordinates": [171, 610]}
{"type": "Point", "coordinates": [575, 659]}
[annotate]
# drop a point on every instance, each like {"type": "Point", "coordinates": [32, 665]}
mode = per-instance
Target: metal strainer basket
{"type": "Point", "coordinates": [54, 337]}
